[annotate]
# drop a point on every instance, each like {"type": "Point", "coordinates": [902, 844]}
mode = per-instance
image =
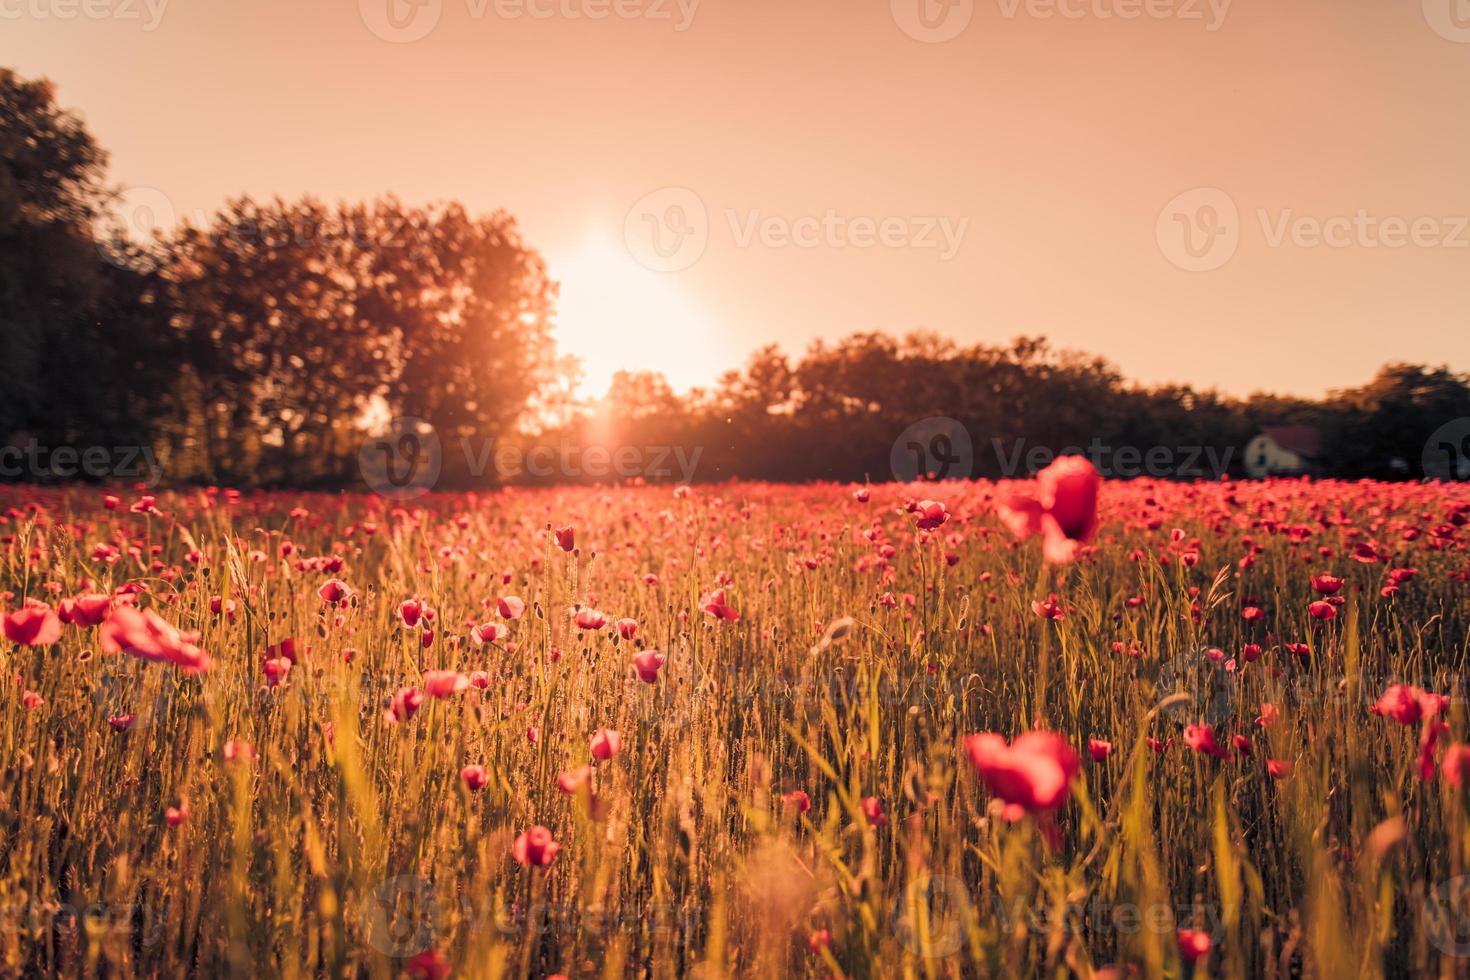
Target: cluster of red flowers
{"type": "Point", "coordinates": [1269, 580]}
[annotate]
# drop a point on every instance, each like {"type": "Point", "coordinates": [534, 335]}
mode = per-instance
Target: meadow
{"type": "Point", "coordinates": [1039, 728]}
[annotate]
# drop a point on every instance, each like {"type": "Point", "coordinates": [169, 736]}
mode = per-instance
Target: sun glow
{"type": "Point", "coordinates": [615, 315]}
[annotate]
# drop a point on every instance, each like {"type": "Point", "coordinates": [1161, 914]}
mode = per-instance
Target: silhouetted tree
{"type": "Point", "coordinates": [1381, 428]}
{"type": "Point", "coordinates": [51, 196]}
{"type": "Point", "coordinates": [300, 320]}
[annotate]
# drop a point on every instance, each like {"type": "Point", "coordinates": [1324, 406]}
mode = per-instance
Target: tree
{"type": "Point", "coordinates": [301, 318]}
{"type": "Point", "coordinates": [1380, 429]}
{"type": "Point", "coordinates": [473, 306]}
{"type": "Point", "coordinates": [51, 196]}
{"type": "Point", "coordinates": [637, 395]}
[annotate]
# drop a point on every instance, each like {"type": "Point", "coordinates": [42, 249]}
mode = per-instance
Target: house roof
{"type": "Point", "coordinates": [1304, 440]}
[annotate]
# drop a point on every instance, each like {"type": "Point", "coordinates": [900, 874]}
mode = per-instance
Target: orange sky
{"type": "Point", "coordinates": [983, 169]}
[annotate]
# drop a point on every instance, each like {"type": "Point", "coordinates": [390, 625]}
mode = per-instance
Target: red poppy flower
{"type": "Point", "coordinates": [1064, 511]}
{"type": "Point", "coordinates": [1033, 774]}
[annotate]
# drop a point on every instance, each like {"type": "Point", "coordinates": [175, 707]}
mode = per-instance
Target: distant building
{"type": "Point", "coordinates": [1283, 450]}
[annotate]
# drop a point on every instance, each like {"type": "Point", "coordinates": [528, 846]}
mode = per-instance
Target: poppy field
{"type": "Point", "coordinates": [1052, 727]}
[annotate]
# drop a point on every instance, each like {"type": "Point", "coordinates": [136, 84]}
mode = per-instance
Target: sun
{"type": "Point", "coordinates": [615, 315]}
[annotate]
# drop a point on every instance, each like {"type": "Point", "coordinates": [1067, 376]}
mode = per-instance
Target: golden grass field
{"type": "Point", "coordinates": [307, 810]}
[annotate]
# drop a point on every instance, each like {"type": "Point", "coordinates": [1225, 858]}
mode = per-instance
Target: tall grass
{"type": "Point", "coordinates": [337, 844]}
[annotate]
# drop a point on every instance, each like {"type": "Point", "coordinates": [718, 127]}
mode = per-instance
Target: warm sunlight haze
{"type": "Point", "coordinates": [735, 489]}
{"type": "Point", "coordinates": [614, 314]}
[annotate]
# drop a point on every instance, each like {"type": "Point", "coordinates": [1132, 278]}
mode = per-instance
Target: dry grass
{"type": "Point", "coordinates": [351, 847]}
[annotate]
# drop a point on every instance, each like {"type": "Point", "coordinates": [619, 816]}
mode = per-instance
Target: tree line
{"type": "Point", "coordinates": [839, 410]}
{"type": "Point", "coordinates": [259, 346]}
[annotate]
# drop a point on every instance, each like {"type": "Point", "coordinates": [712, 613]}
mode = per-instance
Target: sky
{"type": "Point", "coordinates": [1249, 195]}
